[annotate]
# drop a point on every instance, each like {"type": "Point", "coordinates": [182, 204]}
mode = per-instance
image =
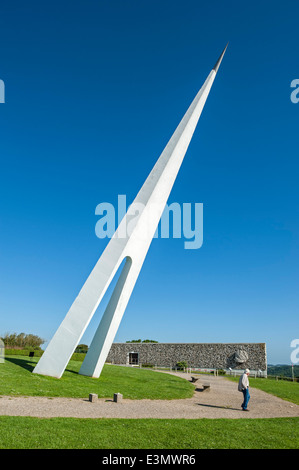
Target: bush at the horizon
{"type": "Point", "coordinates": [22, 341]}
{"type": "Point", "coordinates": [39, 353]}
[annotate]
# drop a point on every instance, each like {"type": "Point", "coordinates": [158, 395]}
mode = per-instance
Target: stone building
{"type": "Point", "coordinates": [197, 355]}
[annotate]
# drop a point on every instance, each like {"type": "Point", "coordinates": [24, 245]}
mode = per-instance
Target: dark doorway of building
{"type": "Point", "coordinates": [133, 358]}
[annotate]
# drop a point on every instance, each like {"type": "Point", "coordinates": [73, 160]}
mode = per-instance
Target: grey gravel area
{"type": "Point", "coordinates": [222, 401]}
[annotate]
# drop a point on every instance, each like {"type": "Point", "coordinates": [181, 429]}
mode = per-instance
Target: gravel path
{"type": "Point", "coordinates": [222, 401]}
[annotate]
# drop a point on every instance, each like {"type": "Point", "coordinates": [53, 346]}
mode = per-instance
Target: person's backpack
{"type": "Point", "coordinates": [240, 386]}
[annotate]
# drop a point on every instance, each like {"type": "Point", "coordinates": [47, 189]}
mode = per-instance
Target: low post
{"type": "Point", "coordinates": [93, 397]}
{"type": "Point", "coordinates": [117, 397]}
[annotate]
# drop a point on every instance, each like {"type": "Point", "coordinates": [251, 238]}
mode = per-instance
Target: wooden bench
{"type": "Point", "coordinates": [194, 379]}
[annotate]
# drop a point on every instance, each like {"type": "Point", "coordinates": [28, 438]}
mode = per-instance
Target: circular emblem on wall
{"type": "Point", "coordinates": [241, 356]}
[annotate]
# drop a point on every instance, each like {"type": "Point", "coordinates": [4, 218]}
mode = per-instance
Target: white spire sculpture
{"type": "Point", "coordinates": [130, 242]}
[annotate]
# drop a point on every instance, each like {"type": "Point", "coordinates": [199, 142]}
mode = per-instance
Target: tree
{"type": "Point", "coordinates": [181, 365]}
{"type": "Point", "coordinates": [22, 341]}
{"type": "Point", "coordinates": [81, 348]}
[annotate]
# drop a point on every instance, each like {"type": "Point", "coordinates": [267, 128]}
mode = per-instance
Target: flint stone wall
{"type": "Point", "coordinates": [201, 355]}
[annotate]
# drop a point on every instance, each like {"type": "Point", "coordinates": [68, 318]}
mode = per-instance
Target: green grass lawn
{"type": "Point", "coordinates": [16, 378]}
{"type": "Point", "coordinates": [281, 388]}
{"type": "Point", "coordinates": [72, 433]}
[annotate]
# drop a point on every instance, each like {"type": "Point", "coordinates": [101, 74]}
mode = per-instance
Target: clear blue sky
{"type": "Point", "coordinates": [94, 90]}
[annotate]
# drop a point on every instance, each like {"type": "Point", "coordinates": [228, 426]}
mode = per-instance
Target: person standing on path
{"type": "Point", "coordinates": [244, 387]}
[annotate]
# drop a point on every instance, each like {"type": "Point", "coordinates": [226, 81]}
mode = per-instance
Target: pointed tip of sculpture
{"type": "Point", "coordinates": [217, 65]}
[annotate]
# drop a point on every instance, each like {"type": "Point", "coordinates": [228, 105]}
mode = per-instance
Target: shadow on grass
{"type": "Point", "coordinates": [28, 365]}
{"type": "Point", "coordinates": [24, 363]}
{"type": "Point", "coordinates": [71, 371]}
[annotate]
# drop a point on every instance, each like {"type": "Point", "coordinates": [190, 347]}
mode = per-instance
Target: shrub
{"type": "Point", "coordinates": [23, 352]}
{"type": "Point", "coordinates": [78, 356]}
{"type": "Point", "coordinates": [81, 348]}
{"type": "Point", "coordinates": [22, 340]}
{"type": "Point", "coordinates": [182, 365]}
{"type": "Point", "coordinates": [39, 353]}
